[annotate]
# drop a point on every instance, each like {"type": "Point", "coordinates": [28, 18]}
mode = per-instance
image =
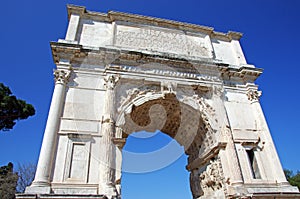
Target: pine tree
{"type": "Point", "coordinates": [12, 109]}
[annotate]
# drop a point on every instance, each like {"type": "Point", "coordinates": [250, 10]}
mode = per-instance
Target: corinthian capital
{"type": "Point", "coordinates": [253, 95]}
{"type": "Point", "coordinates": [62, 76]}
{"type": "Point", "coordinates": [111, 81]}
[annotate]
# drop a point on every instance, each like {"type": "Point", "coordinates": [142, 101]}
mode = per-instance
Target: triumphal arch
{"type": "Point", "coordinates": [120, 73]}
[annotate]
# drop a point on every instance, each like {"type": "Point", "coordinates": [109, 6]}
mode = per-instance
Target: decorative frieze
{"type": "Point", "coordinates": [168, 71]}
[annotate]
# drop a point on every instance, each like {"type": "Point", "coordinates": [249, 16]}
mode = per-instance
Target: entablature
{"type": "Point", "coordinates": [168, 64]}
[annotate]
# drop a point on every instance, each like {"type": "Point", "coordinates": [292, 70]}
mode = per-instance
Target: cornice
{"type": "Point", "coordinates": [230, 35]}
{"type": "Point", "coordinates": [69, 50]}
{"type": "Point", "coordinates": [113, 16]}
{"type": "Point", "coordinates": [243, 73]}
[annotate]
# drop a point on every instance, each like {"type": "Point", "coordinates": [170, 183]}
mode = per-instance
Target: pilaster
{"type": "Point", "coordinates": [272, 165]}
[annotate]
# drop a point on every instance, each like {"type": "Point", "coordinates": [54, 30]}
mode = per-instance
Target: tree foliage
{"type": "Point", "coordinates": [8, 182]}
{"type": "Point", "coordinates": [26, 174]}
{"type": "Point", "coordinates": [12, 109]}
{"type": "Point", "coordinates": [294, 179]}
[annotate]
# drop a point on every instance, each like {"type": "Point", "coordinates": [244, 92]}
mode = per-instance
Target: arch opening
{"type": "Point", "coordinates": [164, 112]}
{"type": "Point", "coordinates": [151, 170]}
{"type": "Point", "coordinates": [167, 114]}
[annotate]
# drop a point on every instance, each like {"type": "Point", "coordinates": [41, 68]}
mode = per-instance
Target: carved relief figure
{"type": "Point", "coordinates": [211, 179]}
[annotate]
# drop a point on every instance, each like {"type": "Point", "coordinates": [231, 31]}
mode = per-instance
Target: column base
{"type": "Point", "coordinates": [275, 195]}
{"type": "Point", "coordinates": [269, 188]}
{"type": "Point", "coordinates": [263, 191]}
{"type": "Point", "coordinates": [59, 196]}
{"type": "Point", "coordinates": [38, 187]}
{"type": "Point", "coordinates": [110, 191]}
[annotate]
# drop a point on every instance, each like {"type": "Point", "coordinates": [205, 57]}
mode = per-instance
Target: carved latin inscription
{"type": "Point", "coordinates": [156, 40]}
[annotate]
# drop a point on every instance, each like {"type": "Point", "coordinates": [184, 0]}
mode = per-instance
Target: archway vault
{"type": "Point", "coordinates": [181, 120]}
{"type": "Point", "coordinates": [187, 119]}
{"type": "Point", "coordinates": [163, 111]}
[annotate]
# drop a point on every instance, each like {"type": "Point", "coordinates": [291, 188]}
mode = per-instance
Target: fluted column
{"type": "Point", "coordinates": [43, 172]}
{"type": "Point", "coordinates": [237, 177]}
{"type": "Point", "coordinates": [107, 164]}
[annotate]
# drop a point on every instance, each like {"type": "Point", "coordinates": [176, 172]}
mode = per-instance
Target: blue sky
{"type": "Point", "coordinates": [271, 41]}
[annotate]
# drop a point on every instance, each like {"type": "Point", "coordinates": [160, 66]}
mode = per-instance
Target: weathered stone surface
{"type": "Point", "coordinates": [59, 196]}
{"type": "Point", "coordinates": [119, 73]}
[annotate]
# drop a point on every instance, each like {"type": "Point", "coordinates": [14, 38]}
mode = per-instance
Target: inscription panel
{"type": "Point", "coordinates": [162, 41]}
{"type": "Point", "coordinates": [78, 161]}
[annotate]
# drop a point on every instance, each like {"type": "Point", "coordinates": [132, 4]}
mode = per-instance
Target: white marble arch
{"type": "Point", "coordinates": [118, 73]}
